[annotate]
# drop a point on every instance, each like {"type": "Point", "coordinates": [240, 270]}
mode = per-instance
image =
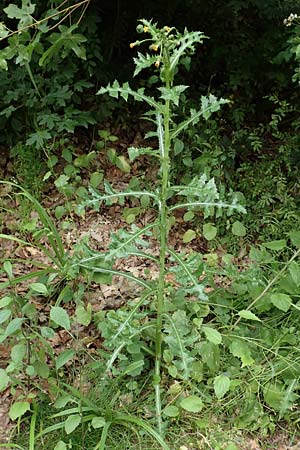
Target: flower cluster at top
{"type": "Point", "coordinates": [288, 22]}
{"type": "Point", "coordinates": [156, 36]}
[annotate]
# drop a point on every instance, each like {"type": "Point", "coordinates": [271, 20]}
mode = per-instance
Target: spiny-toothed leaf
{"type": "Point", "coordinates": [173, 93]}
{"type": "Point", "coordinates": [134, 152]}
{"type": "Point", "coordinates": [125, 90]}
{"type": "Point", "coordinates": [143, 62]}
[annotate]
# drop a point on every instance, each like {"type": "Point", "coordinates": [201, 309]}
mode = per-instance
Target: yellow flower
{"type": "Point", "coordinates": [154, 47]}
{"type": "Point", "coordinates": [146, 29]}
{"type": "Point", "coordinates": [157, 63]}
{"type": "Point", "coordinates": [132, 44]}
{"type": "Point", "coordinates": [167, 29]}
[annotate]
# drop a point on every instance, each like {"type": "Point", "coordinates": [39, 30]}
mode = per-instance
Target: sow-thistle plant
{"type": "Point", "coordinates": [167, 48]}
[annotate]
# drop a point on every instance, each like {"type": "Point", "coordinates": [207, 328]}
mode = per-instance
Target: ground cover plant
{"type": "Point", "coordinates": [204, 336]}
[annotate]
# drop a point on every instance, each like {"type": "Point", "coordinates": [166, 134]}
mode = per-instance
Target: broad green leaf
{"type": "Point", "coordinates": [14, 326]}
{"type": "Point", "coordinates": [84, 315]}
{"type": "Point", "coordinates": [4, 380]}
{"type": "Point", "coordinates": [294, 270]}
{"type": "Point", "coordinates": [60, 317]}
{"type": "Point", "coordinates": [171, 411]}
{"type": "Point", "coordinates": [72, 423]}
{"type": "Point", "coordinates": [275, 245]}
{"type": "Point", "coordinates": [241, 349]}
{"type": "Point", "coordinates": [192, 404]}
{"type": "Point", "coordinates": [295, 238]}
{"type": "Point", "coordinates": [18, 409]}
{"type": "Point", "coordinates": [188, 236]}
{"type": "Point", "coordinates": [7, 266]}
{"type": "Point", "coordinates": [248, 315]}
{"type": "Point", "coordinates": [122, 164]}
{"type": "Point", "coordinates": [189, 215]}
{"type": "Point", "coordinates": [47, 332]}
{"type": "Point", "coordinates": [212, 335]}
{"type": "Point", "coordinates": [18, 352]}
{"type": "Point", "coordinates": [281, 301]}
{"type": "Point", "coordinates": [40, 288]}
{"type": "Point", "coordinates": [96, 178]}
{"type": "Point", "coordinates": [60, 446]}
{"type": "Point", "coordinates": [209, 231]}
{"type": "Point", "coordinates": [232, 447]}
{"type": "Point", "coordinates": [238, 229]}
{"type": "Point", "coordinates": [221, 385]}
{"type": "Point", "coordinates": [98, 422]}
{"type": "Point", "coordinates": [64, 357]}
{"type": "Point", "coordinates": [4, 315]}
{"type": "Point", "coordinates": [5, 301]}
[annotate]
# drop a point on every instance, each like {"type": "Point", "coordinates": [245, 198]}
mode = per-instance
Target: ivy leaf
{"type": "Point", "coordinates": [221, 385]}
{"type": "Point", "coordinates": [23, 14]}
{"type": "Point", "coordinates": [281, 301]}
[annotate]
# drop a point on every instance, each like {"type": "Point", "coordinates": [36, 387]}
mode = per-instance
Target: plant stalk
{"type": "Point", "coordinates": [163, 238]}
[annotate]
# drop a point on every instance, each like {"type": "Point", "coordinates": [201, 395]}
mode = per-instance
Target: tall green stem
{"type": "Point", "coordinates": [163, 237]}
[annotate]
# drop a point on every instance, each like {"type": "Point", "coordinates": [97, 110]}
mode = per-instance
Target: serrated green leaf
{"type": "Point", "coordinates": [212, 335]}
{"type": "Point", "coordinates": [294, 269]}
{"type": "Point", "coordinates": [72, 423]}
{"type": "Point", "coordinates": [60, 317]}
{"type": "Point", "coordinates": [84, 315]}
{"type": "Point", "coordinates": [18, 352]}
{"type": "Point", "coordinates": [221, 385]}
{"type": "Point", "coordinates": [248, 315]}
{"type": "Point", "coordinates": [192, 404]}
{"type": "Point", "coordinates": [281, 301]}
{"type": "Point", "coordinates": [171, 411]}
{"type": "Point", "coordinates": [209, 231]}
{"type": "Point", "coordinates": [63, 358]}
{"type": "Point", "coordinates": [241, 349]}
